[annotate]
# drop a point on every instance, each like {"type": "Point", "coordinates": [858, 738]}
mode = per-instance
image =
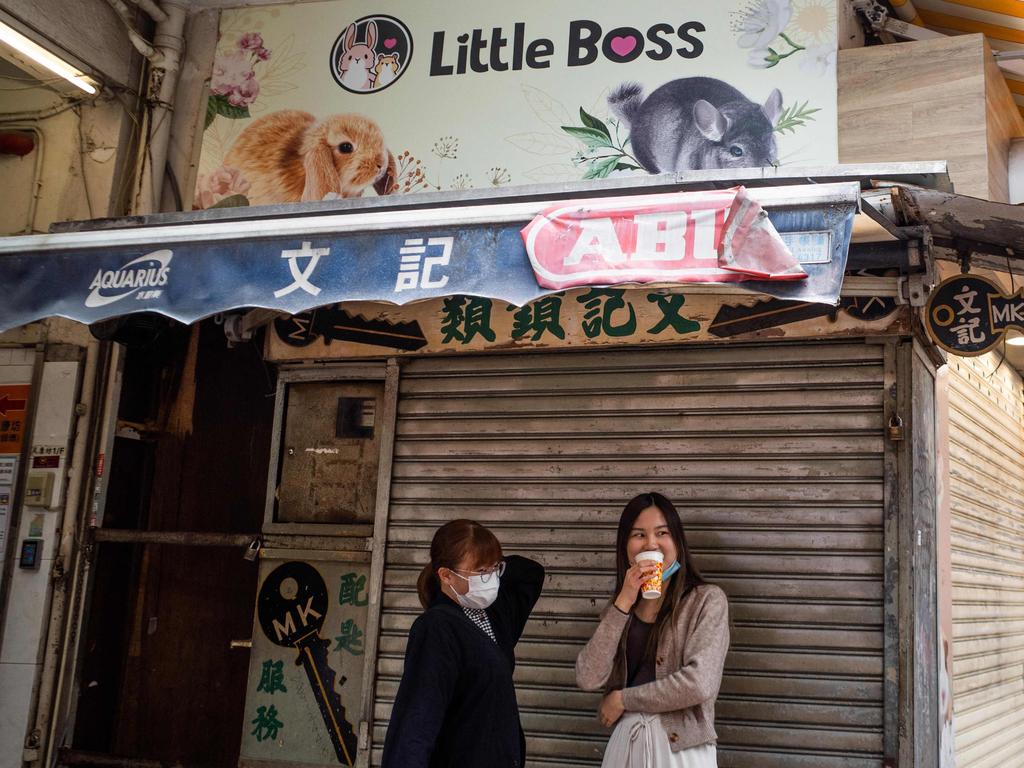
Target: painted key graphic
{"type": "Point", "coordinates": [291, 608]}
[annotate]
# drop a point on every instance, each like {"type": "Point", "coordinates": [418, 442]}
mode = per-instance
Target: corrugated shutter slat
{"type": "Point", "coordinates": [986, 427]}
{"type": "Point", "coordinates": [773, 453]}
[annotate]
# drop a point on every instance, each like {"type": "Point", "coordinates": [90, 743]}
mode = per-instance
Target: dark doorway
{"type": "Point", "coordinates": [158, 678]}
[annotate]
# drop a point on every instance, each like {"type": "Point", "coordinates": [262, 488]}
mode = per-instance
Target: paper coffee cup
{"type": "Point", "coordinates": [651, 588]}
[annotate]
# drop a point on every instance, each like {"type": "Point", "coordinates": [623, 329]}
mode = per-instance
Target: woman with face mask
{"type": "Point", "coordinates": [659, 661]}
{"type": "Point", "coordinates": [456, 704]}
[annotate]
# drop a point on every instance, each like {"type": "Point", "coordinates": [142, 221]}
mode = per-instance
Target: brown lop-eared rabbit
{"type": "Point", "coordinates": [289, 157]}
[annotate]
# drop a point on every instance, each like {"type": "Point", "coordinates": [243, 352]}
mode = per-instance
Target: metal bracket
{"type": "Point", "coordinates": [239, 327]}
{"type": "Point", "coordinates": [887, 27]}
{"type": "Point", "coordinates": [875, 14]}
{"type": "Point", "coordinates": [914, 290]}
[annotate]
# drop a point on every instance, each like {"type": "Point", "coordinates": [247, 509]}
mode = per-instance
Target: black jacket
{"type": "Point", "coordinates": [456, 704]}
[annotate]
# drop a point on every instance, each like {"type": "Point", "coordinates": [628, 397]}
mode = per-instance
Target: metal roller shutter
{"type": "Point", "coordinates": [986, 431]}
{"type": "Point", "coordinates": [773, 454]}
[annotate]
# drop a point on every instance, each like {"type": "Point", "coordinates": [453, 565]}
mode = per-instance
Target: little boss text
{"type": "Point", "coordinates": [478, 51]}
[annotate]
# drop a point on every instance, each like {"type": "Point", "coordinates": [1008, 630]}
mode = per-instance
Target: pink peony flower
{"type": "Point", "coordinates": [250, 41]}
{"type": "Point", "coordinates": [215, 186]}
{"type": "Point", "coordinates": [262, 53]}
{"type": "Point", "coordinates": [245, 94]}
{"type": "Point", "coordinates": [229, 72]}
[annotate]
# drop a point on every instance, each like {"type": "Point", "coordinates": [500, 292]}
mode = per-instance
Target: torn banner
{"type": "Point", "coordinates": [718, 236]}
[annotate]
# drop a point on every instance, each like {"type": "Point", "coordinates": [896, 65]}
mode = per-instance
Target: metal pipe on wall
{"type": "Point", "coordinates": [138, 41]}
{"type": "Point", "coordinates": [65, 693]}
{"type": "Point", "coordinates": [152, 9]}
{"type": "Point", "coordinates": [168, 39]}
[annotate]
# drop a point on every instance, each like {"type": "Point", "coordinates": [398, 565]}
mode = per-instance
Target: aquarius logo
{"type": "Point", "coordinates": [144, 276]}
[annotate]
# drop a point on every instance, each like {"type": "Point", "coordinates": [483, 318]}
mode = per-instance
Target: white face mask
{"type": "Point", "coordinates": [480, 594]}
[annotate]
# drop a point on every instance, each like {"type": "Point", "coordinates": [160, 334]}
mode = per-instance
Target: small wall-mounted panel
{"type": "Point", "coordinates": [329, 452]}
{"type": "Point", "coordinates": [39, 489]}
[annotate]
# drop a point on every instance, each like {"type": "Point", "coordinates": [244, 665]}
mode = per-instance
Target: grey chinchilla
{"type": "Point", "coordinates": [697, 122]}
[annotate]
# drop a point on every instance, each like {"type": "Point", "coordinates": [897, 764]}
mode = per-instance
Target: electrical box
{"type": "Point", "coordinates": [39, 489]}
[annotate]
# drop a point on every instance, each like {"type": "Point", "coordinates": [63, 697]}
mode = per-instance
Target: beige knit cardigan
{"type": "Point", "coordinates": [688, 666]}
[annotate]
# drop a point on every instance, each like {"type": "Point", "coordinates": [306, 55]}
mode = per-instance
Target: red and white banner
{"type": "Point", "coordinates": [718, 236]}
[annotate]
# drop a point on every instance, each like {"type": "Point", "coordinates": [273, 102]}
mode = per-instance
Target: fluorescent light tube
{"type": "Point", "coordinates": [44, 58]}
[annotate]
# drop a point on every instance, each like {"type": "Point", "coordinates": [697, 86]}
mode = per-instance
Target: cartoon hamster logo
{"type": "Point", "coordinates": [371, 54]}
{"type": "Point", "coordinates": [144, 276]}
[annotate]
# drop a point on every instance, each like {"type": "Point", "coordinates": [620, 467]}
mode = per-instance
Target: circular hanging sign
{"type": "Point", "coordinates": [968, 315]}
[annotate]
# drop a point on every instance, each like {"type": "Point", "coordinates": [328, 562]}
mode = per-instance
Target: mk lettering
{"type": "Point", "coordinates": [1008, 314]}
{"type": "Point", "coordinates": [287, 627]}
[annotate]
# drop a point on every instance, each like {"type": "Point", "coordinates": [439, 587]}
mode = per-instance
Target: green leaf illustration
{"type": "Point", "coordinates": [601, 168]}
{"type": "Point", "coordinates": [606, 150]}
{"type": "Point", "coordinates": [219, 105]}
{"type": "Point", "coordinates": [793, 117]}
{"type": "Point", "coordinates": [592, 122]}
{"type": "Point", "coordinates": [592, 137]}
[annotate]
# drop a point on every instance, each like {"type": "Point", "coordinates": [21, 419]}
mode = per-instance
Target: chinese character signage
{"type": "Point", "coordinates": [13, 410]}
{"type": "Point", "coordinates": [580, 317]}
{"type": "Point", "coordinates": [316, 101]}
{"type": "Point", "coordinates": [968, 315]}
{"type": "Point", "coordinates": [304, 697]}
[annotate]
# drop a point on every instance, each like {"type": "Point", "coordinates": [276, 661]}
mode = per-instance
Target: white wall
{"type": "Point", "coordinates": [28, 606]}
{"type": "Point", "coordinates": [73, 168]}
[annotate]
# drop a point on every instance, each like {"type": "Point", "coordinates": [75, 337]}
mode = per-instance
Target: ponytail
{"type": "Point", "coordinates": [453, 542]}
{"type": "Point", "coordinates": [428, 586]}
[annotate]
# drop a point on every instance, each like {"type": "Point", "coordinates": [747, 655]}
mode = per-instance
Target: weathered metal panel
{"type": "Point", "coordinates": [327, 474]}
{"type": "Point", "coordinates": [774, 454]}
{"type": "Point", "coordinates": [285, 719]}
{"type": "Point", "coordinates": [986, 431]}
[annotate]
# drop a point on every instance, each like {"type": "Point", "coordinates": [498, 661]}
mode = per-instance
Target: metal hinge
{"type": "Point", "coordinates": [913, 290]}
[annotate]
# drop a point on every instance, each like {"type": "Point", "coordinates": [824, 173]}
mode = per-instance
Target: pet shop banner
{"type": "Point", "coordinates": [348, 98]}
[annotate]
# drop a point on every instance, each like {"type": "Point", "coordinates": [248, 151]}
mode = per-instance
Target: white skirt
{"type": "Point", "coordinates": [639, 741]}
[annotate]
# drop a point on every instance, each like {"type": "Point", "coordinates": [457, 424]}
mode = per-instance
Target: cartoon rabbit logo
{"type": "Point", "coordinates": [357, 60]}
{"type": "Point", "coordinates": [371, 54]}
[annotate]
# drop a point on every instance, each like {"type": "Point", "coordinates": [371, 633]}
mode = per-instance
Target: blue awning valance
{"type": "Point", "coordinates": [291, 264]}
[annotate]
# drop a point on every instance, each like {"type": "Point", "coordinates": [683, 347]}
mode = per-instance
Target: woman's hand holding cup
{"type": "Point", "coordinates": [636, 575]}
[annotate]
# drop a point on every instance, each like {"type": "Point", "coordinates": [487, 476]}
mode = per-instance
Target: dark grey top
{"type": "Point", "coordinates": [640, 669]}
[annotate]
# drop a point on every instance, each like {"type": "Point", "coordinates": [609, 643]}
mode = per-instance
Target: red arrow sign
{"type": "Point", "coordinates": [7, 405]}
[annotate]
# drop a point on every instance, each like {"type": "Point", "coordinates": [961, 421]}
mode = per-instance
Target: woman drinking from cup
{"type": "Point", "coordinates": [659, 648]}
{"type": "Point", "coordinates": [456, 705]}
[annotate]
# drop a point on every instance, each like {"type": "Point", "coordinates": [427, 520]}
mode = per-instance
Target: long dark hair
{"type": "Point", "coordinates": [452, 542]}
{"type": "Point", "coordinates": [680, 585]}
